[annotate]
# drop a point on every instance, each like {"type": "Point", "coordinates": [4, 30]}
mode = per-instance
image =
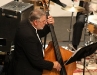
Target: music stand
{"type": "Point", "coordinates": [82, 53]}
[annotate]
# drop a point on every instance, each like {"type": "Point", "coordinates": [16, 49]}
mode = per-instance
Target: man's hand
{"type": "Point", "coordinates": [57, 66]}
{"type": "Point", "coordinates": [93, 7]}
{"type": "Point", "coordinates": [50, 20]}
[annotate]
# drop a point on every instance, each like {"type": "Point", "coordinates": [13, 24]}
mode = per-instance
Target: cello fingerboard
{"type": "Point", "coordinates": [57, 51]}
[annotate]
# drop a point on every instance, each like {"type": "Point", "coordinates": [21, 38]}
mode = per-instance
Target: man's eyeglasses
{"type": "Point", "coordinates": [44, 21]}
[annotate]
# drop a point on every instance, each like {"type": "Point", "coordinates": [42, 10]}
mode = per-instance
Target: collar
{"type": "Point", "coordinates": [34, 27]}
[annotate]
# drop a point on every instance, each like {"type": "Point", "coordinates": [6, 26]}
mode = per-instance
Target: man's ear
{"type": "Point", "coordinates": [35, 22]}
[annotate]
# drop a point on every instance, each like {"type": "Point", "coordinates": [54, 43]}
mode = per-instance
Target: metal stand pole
{"type": "Point", "coordinates": [70, 26]}
{"type": "Point", "coordinates": [86, 27]}
{"type": "Point", "coordinates": [84, 66]}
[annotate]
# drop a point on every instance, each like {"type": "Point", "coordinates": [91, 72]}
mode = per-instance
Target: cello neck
{"type": "Point", "coordinates": [57, 51]}
{"type": "Point", "coordinates": [55, 43]}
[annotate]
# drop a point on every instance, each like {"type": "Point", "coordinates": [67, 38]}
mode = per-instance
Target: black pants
{"type": "Point", "coordinates": [77, 29]}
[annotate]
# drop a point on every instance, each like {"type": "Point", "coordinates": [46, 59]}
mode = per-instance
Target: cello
{"type": "Point", "coordinates": [53, 52]}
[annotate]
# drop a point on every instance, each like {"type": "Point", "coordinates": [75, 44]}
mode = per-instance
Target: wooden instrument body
{"type": "Point", "coordinates": [50, 55]}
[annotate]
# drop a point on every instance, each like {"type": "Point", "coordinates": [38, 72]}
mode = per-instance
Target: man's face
{"type": "Point", "coordinates": [41, 22]}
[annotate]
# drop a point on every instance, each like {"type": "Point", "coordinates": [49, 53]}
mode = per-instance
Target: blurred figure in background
{"type": "Point", "coordinates": [78, 27]}
{"type": "Point", "coordinates": [90, 8]}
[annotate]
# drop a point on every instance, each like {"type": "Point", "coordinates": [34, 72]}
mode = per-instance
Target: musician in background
{"type": "Point", "coordinates": [28, 53]}
{"type": "Point", "coordinates": [80, 21]}
{"type": "Point", "coordinates": [78, 27]}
